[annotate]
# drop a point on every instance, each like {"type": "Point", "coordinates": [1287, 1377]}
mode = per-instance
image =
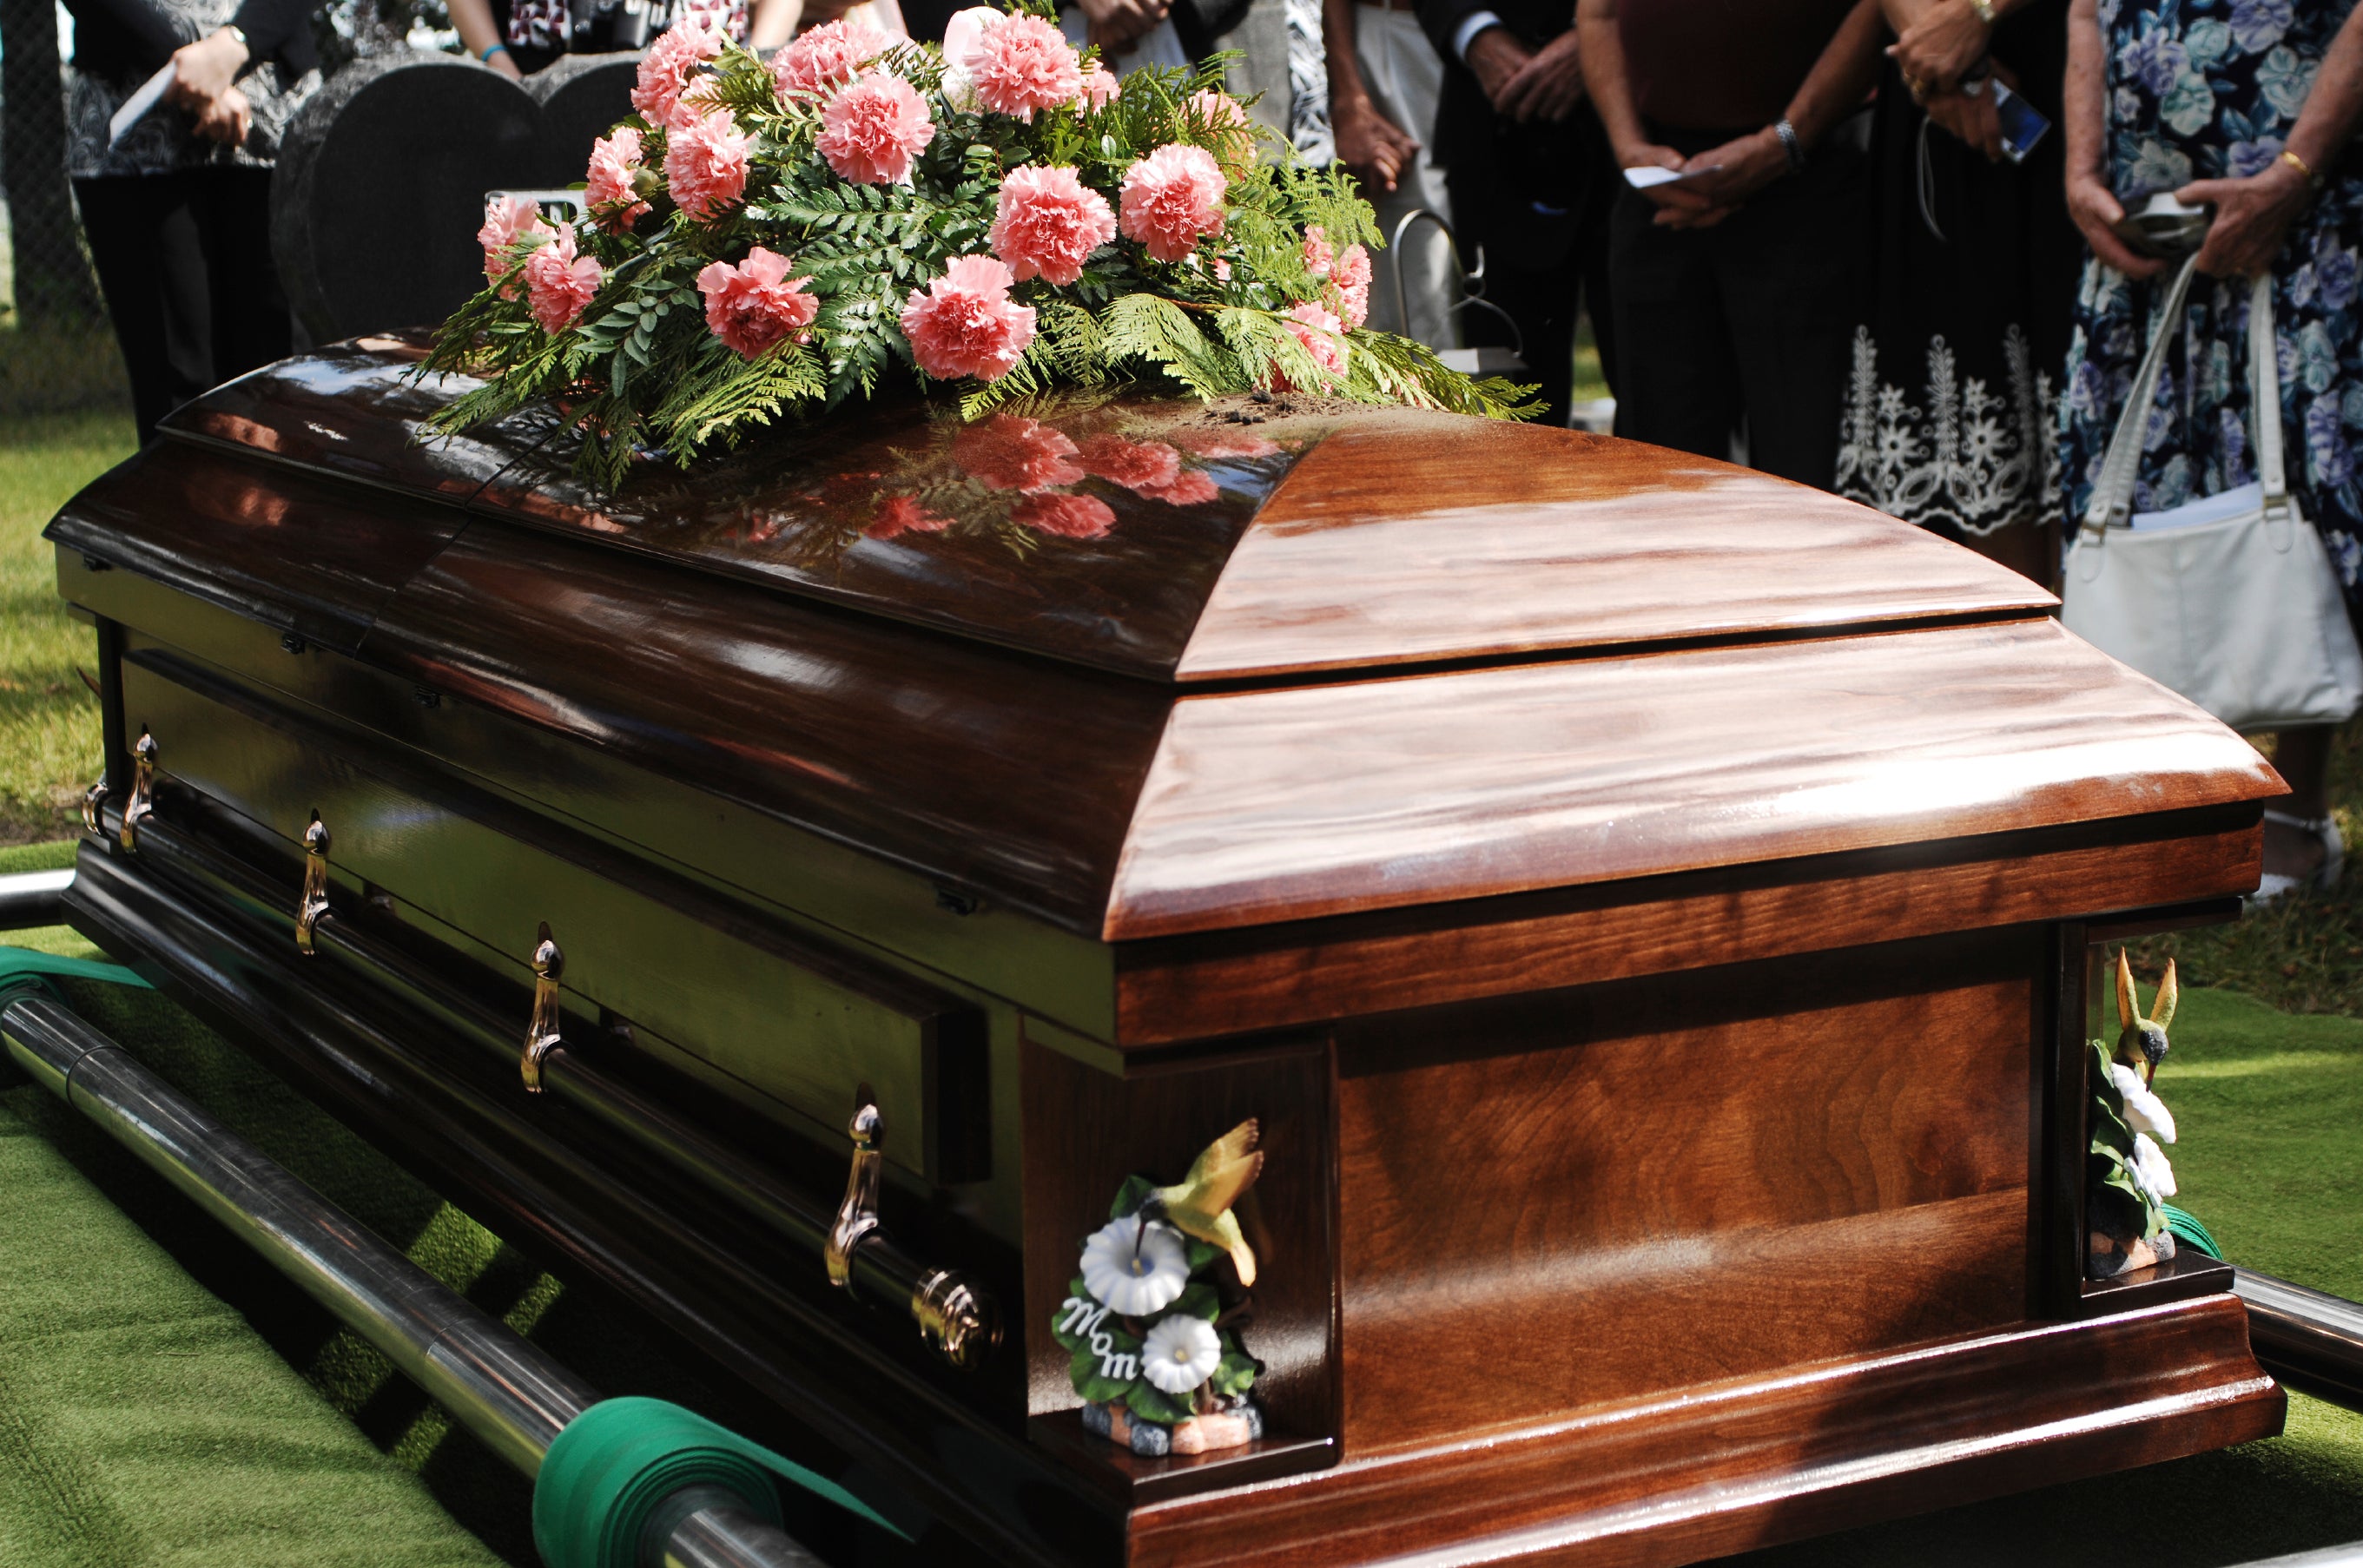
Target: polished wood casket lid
{"type": "Point", "coordinates": [1301, 661]}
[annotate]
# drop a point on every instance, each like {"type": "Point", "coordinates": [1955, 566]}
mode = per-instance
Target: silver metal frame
{"type": "Point", "coordinates": [32, 898]}
{"type": "Point", "coordinates": [496, 1383]}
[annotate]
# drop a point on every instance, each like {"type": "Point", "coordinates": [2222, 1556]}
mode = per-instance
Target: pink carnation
{"type": "Point", "coordinates": [1234, 133]}
{"type": "Point", "coordinates": [899, 514]}
{"type": "Point", "coordinates": [558, 283]}
{"type": "Point", "coordinates": [1352, 280]}
{"type": "Point", "coordinates": [829, 56]}
{"type": "Point", "coordinates": [1317, 254]}
{"type": "Point", "coordinates": [1021, 64]}
{"type": "Point", "coordinates": [1171, 199]}
{"type": "Point", "coordinates": [754, 305]}
{"type": "Point", "coordinates": [613, 199]}
{"type": "Point", "coordinates": [1048, 223]}
{"type": "Point", "coordinates": [705, 161]}
{"type": "Point", "coordinates": [1100, 87]}
{"type": "Point", "coordinates": [1069, 516]}
{"type": "Point", "coordinates": [666, 67]}
{"type": "Point", "coordinates": [872, 131]}
{"type": "Point", "coordinates": [1007, 452]}
{"type": "Point", "coordinates": [965, 324]}
{"type": "Point", "coordinates": [1186, 489]}
{"type": "Point", "coordinates": [505, 222]}
{"type": "Point", "coordinates": [1136, 464]}
{"type": "Point", "coordinates": [1321, 333]}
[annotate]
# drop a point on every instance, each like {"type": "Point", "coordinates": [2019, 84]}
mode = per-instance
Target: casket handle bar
{"type": "Point", "coordinates": [956, 1314]}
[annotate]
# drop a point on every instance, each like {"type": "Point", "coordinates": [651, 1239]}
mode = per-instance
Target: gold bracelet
{"type": "Point", "coordinates": [2302, 167]}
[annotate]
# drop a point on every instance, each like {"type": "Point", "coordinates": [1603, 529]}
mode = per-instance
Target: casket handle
{"type": "Point", "coordinates": [954, 1311]}
{"type": "Point", "coordinates": [314, 900]}
{"type": "Point", "coordinates": [142, 804]}
{"type": "Point", "coordinates": [541, 1031]}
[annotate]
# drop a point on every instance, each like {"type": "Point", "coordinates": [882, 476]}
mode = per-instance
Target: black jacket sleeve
{"type": "Point", "coordinates": [1442, 18]}
{"type": "Point", "coordinates": [279, 30]}
{"type": "Point", "coordinates": [116, 36]}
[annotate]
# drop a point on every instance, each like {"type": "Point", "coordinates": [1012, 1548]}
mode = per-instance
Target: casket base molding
{"type": "Point", "coordinates": [1718, 1471]}
{"type": "Point", "coordinates": [1713, 1470]}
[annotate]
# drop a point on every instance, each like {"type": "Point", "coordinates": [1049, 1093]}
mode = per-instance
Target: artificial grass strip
{"type": "Point", "coordinates": [143, 1420]}
{"type": "Point", "coordinates": [2268, 1110]}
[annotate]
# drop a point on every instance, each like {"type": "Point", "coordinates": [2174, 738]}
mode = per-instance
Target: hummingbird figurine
{"type": "Point", "coordinates": [2142, 1044]}
{"type": "Point", "coordinates": [1200, 1204]}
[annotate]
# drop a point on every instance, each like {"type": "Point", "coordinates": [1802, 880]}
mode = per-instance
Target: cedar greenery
{"type": "Point", "coordinates": [640, 372]}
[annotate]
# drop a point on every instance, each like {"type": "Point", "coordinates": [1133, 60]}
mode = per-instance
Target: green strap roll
{"type": "Point", "coordinates": [2187, 1228]}
{"type": "Point", "coordinates": [21, 969]}
{"type": "Point", "coordinates": [617, 1460]}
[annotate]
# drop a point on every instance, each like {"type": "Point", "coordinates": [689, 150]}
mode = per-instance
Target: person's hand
{"type": "Point", "coordinates": [2252, 217]}
{"type": "Point", "coordinates": [1968, 113]}
{"type": "Point", "coordinates": [1681, 199]}
{"type": "Point", "coordinates": [1936, 50]}
{"type": "Point", "coordinates": [1741, 166]}
{"type": "Point", "coordinates": [2096, 213]}
{"type": "Point", "coordinates": [1116, 25]}
{"type": "Point", "coordinates": [1496, 57]}
{"type": "Point", "coordinates": [1548, 86]}
{"type": "Point", "coordinates": [1372, 146]}
{"type": "Point", "coordinates": [227, 119]}
{"type": "Point", "coordinates": [204, 71]}
{"type": "Point", "coordinates": [505, 64]}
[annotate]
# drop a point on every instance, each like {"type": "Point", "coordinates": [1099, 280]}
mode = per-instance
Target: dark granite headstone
{"type": "Point", "coordinates": [382, 179]}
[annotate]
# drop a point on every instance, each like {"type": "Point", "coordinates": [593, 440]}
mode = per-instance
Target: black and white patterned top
{"type": "Point", "coordinates": [111, 59]}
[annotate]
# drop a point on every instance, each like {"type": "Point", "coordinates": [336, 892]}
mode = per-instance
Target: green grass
{"type": "Point", "coordinates": [48, 720]}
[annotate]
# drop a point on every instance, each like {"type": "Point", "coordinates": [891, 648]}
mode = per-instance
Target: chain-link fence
{"type": "Point", "coordinates": [57, 352]}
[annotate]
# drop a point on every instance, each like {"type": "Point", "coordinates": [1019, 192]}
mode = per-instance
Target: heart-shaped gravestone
{"type": "Point", "coordinates": [382, 179]}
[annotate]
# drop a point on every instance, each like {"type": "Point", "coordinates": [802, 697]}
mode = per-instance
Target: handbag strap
{"type": "Point", "coordinates": [2265, 397]}
{"type": "Point", "coordinates": [2112, 498]}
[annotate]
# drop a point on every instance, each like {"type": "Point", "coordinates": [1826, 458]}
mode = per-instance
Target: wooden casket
{"type": "Point", "coordinates": [1651, 910]}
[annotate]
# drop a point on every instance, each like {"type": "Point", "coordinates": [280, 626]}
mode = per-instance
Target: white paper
{"type": "Point", "coordinates": [1648, 174]}
{"type": "Point", "coordinates": [151, 94]}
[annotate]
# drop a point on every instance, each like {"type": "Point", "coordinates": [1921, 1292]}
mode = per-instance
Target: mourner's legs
{"type": "Point", "coordinates": [184, 260]}
{"type": "Point", "coordinates": [1679, 384]}
{"type": "Point", "coordinates": [1404, 78]}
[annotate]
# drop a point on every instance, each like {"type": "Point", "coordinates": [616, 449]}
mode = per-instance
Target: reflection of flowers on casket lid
{"type": "Point", "coordinates": [1007, 452]}
{"type": "Point", "coordinates": [1136, 464]}
{"type": "Point", "coordinates": [1069, 516]}
{"type": "Point", "coordinates": [899, 515]}
{"type": "Point", "coordinates": [1180, 1352]}
{"type": "Point", "coordinates": [1136, 1270]}
{"type": "Point", "coordinates": [1188, 488]}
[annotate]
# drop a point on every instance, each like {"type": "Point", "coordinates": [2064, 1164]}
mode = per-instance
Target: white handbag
{"type": "Point", "coordinates": [2242, 614]}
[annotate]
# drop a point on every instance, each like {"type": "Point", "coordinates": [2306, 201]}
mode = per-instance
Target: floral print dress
{"type": "Point", "coordinates": [2210, 89]}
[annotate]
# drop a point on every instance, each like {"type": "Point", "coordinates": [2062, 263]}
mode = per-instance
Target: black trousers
{"type": "Point", "coordinates": [1745, 324]}
{"type": "Point", "coordinates": [1539, 204]}
{"type": "Point", "coordinates": [184, 260]}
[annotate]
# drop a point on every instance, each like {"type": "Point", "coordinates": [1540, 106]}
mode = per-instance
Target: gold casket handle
{"type": "Point", "coordinates": [954, 1311]}
{"type": "Point", "coordinates": [541, 1031]}
{"type": "Point", "coordinates": [313, 902]}
{"type": "Point", "coordinates": [142, 804]}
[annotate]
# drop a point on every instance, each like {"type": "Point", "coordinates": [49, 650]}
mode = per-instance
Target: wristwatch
{"type": "Point", "coordinates": [234, 30]}
{"type": "Point", "coordinates": [1984, 8]}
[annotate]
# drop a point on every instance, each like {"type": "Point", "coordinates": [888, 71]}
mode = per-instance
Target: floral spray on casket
{"type": "Point", "coordinates": [999, 217]}
{"type": "Point", "coordinates": [1155, 1356]}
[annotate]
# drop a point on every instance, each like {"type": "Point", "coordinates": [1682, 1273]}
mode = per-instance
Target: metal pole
{"type": "Point", "coordinates": [2307, 1338]}
{"type": "Point", "coordinates": [500, 1387]}
{"type": "Point", "coordinates": [29, 899]}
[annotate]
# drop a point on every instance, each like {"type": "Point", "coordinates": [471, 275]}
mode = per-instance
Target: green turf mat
{"type": "Point", "coordinates": [143, 1420]}
{"type": "Point", "coordinates": [52, 856]}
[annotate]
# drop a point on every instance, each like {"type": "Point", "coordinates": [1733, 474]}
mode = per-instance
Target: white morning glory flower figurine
{"type": "Point", "coordinates": [2144, 1112]}
{"type": "Point", "coordinates": [1181, 1352]}
{"type": "Point", "coordinates": [2150, 1170]}
{"type": "Point", "coordinates": [1134, 1271]}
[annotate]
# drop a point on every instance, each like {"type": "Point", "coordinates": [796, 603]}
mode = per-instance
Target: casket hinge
{"type": "Point", "coordinates": [142, 804]}
{"type": "Point", "coordinates": [955, 1314]}
{"type": "Point", "coordinates": [541, 1033]}
{"type": "Point", "coordinates": [314, 902]}
{"type": "Point", "coordinates": [857, 1215]}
